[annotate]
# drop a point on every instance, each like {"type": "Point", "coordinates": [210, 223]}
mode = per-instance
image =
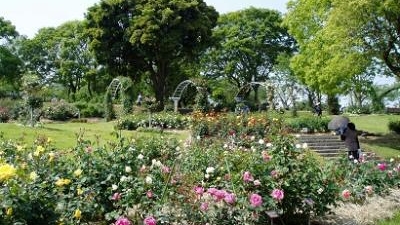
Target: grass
{"type": "Point", "coordinates": [386, 144]}
{"type": "Point", "coordinates": [393, 221]}
{"type": "Point", "coordinates": [64, 135]}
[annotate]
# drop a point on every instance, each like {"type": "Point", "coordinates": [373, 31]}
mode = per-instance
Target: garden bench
{"type": "Point", "coordinates": [393, 110]}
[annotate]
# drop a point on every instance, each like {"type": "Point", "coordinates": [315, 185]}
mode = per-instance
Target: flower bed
{"type": "Point", "coordinates": [227, 178]}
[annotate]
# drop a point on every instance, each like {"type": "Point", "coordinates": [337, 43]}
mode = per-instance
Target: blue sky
{"type": "Point", "coordinates": [30, 15]}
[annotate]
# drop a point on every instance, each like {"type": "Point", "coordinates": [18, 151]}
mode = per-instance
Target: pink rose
{"type": "Point", "coordinates": [277, 194]}
{"type": "Point", "coordinates": [247, 177]}
{"type": "Point", "coordinates": [150, 221]}
{"type": "Point", "coordinates": [266, 156]}
{"type": "Point", "coordinates": [204, 206]}
{"type": "Point", "coordinates": [166, 169]}
{"type": "Point", "coordinates": [116, 196]}
{"type": "Point", "coordinates": [382, 166]}
{"type": "Point", "coordinates": [230, 198]}
{"type": "Point", "coordinates": [149, 194]}
{"type": "Point", "coordinates": [199, 190]}
{"type": "Point", "coordinates": [122, 221]}
{"type": "Point", "coordinates": [219, 195]}
{"type": "Point", "coordinates": [255, 200]}
{"type": "Point", "coordinates": [346, 194]}
{"type": "Point", "coordinates": [274, 174]}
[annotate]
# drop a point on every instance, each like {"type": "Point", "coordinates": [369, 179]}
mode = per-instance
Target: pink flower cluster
{"type": "Point", "coordinates": [219, 195]}
{"type": "Point", "coordinates": [122, 221]}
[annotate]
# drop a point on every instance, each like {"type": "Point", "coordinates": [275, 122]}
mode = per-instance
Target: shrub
{"type": "Point", "coordinates": [312, 124]}
{"type": "Point", "coordinates": [4, 115]}
{"type": "Point", "coordinates": [60, 110]}
{"type": "Point", "coordinates": [394, 126]}
{"type": "Point", "coordinates": [359, 110]}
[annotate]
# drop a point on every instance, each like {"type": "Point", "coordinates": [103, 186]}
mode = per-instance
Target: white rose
{"type": "Point", "coordinates": [140, 156]}
{"type": "Point", "coordinates": [128, 169]}
{"type": "Point", "coordinates": [210, 170]}
{"type": "Point", "coordinates": [114, 187]}
{"type": "Point", "coordinates": [148, 180]}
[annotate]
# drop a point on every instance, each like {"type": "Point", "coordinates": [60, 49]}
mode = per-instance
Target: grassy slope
{"type": "Point", "coordinates": [386, 144]}
{"type": "Point", "coordinates": [64, 135]}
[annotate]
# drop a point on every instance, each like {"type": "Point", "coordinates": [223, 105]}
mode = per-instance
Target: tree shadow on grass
{"type": "Point", "coordinates": [388, 140]}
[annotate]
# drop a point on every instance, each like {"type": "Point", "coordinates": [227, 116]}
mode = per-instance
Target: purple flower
{"type": "Point", "coordinates": [199, 190]}
{"type": "Point", "coordinates": [382, 166]}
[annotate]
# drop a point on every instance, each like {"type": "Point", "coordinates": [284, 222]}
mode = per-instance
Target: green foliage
{"type": "Point", "coordinates": [394, 126]}
{"type": "Point", "coordinates": [163, 120]}
{"type": "Point", "coordinates": [248, 43]}
{"type": "Point", "coordinates": [60, 110]}
{"type": "Point", "coordinates": [89, 109]}
{"type": "Point", "coordinates": [134, 31]}
{"type": "Point", "coordinates": [4, 114]}
{"type": "Point", "coordinates": [353, 109]}
{"type": "Point", "coordinates": [310, 123]}
{"type": "Point", "coordinates": [109, 113]}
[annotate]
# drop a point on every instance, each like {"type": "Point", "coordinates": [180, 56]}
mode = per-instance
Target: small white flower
{"type": "Point", "coordinates": [391, 160]}
{"type": "Point", "coordinates": [207, 176]}
{"type": "Point", "coordinates": [269, 144]}
{"type": "Point", "coordinates": [320, 190]}
{"type": "Point", "coordinates": [218, 178]}
{"type": "Point", "coordinates": [210, 170]}
{"type": "Point", "coordinates": [123, 179]}
{"type": "Point", "coordinates": [261, 141]}
{"type": "Point", "coordinates": [178, 148]}
{"type": "Point", "coordinates": [114, 187]}
{"type": "Point", "coordinates": [305, 145]}
{"type": "Point", "coordinates": [225, 145]}
{"type": "Point", "coordinates": [355, 161]}
{"type": "Point", "coordinates": [140, 156]}
{"type": "Point", "coordinates": [297, 135]}
{"type": "Point", "coordinates": [148, 180]}
{"type": "Point", "coordinates": [128, 169]}
{"type": "Point", "coordinates": [298, 146]}
{"type": "Point", "coordinates": [252, 138]}
{"type": "Point", "coordinates": [257, 182]}
{"type": "Point", "coordinates": [198, 137]}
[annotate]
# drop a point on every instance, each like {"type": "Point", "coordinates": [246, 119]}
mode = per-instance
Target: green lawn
{"type": "Point", "coordinates": [386, 144]}
{"type": "Point", "coordinates": [393, 221]}
{"type": "Point", "coordinates": [64, 135]}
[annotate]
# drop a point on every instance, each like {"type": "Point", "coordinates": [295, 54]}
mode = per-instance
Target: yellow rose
{"type": "Point", "coordinates": [33, 176]}
{"type": "Point", "coordinates": [77, 214]}
{"type": "Point", "coordinates": [62, 182]}
{"type": "Point", "coordinates": [78, 172]}
{"type": "Point", "coordinates": [40, 148]}
{"type": "Point", "coordinates": [9, 211]}
{"type": "Point", "coordinates": [79, 191]}
{"type": "Point", "coordinates": [6, 172]}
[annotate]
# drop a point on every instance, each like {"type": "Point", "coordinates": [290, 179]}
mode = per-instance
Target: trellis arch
{"type": "Point", "coordinates": [245, 88]}
{"type": "Point", "coordinates": [179, 90]}
{"type": "Point", "coordinates": [124, 85]}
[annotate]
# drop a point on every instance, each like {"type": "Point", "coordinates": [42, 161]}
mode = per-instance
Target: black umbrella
{"type": "Point", "coordinates": [338, 122]}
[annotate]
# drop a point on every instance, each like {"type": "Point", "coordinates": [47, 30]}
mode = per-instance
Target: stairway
{"type": "Point", "coordinates": [327, 145]}
{"type": "Point", "coordinates": [330, 146]}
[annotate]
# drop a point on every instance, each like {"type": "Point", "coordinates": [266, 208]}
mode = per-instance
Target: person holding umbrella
{"type": "Point", "coordinates": [349, 136]}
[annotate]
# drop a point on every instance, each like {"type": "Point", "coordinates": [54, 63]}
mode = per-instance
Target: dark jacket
{"type": "Point", "coordinates": [351, 140]}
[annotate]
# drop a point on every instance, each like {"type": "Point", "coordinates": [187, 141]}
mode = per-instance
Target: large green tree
{"type": "Point", "coordinates": [10, 64]}
{"type": "Point", "coordinates": [149, 37]}
{"type": "Point", "coordinates": [339, 39]}
{"type": "Point", "coordinates": [248, 43]}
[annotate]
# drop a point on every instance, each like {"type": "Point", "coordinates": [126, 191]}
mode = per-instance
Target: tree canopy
{"type": "Point", "coordinates": [339, 39]}
{"type": "Point", "coordinates": [248, 43]}
{"type": "Point", "coordinates": [149, 37]}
